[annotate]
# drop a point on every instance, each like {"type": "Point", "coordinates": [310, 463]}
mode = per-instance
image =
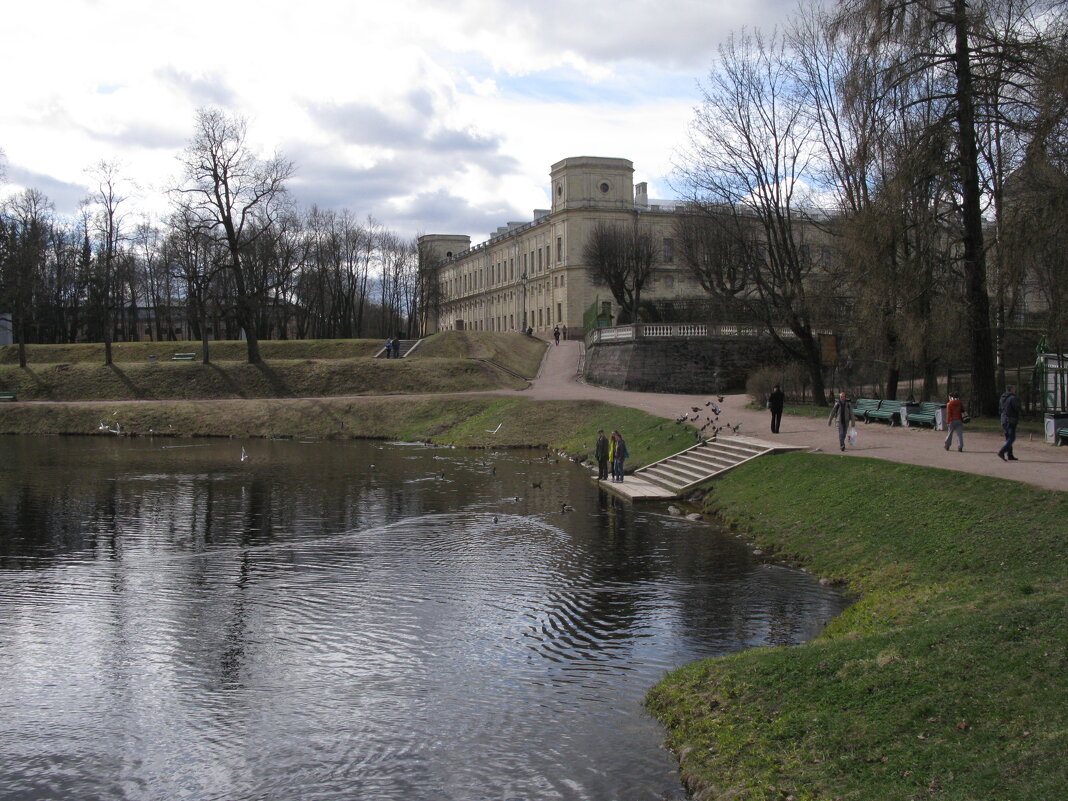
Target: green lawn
{"type": "Point", "coordinates": [947, 679]}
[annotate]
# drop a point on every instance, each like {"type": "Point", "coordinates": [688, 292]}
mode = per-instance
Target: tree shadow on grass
{"type": "Point", "coordinates": [236, 390]}
{"type": "Point", "coordinates": [41, 390]}
{"type": "Point", "coordinates": [337, 429]}
{"type": "Point", "coordinates": [135, 391]}
{"type": "Point", "coordinates": [279, 388]}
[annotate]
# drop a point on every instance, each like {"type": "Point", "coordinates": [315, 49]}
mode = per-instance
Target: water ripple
{"type": "Point", "coordinates": [326, 631]}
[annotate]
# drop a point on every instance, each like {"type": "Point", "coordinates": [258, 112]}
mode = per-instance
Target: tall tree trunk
{"type": "Point", "coordinates": [22, 340]}
{"type": "Point", "coordinates": [252, 339]}
{"type": "Point", "coordinates": [107, 336]}
{"type": "Point", "coordinates": [976, 300]}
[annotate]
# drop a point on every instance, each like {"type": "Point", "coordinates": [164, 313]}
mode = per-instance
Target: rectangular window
{"type": "Point", "coordinates": [524, 264]}
{"type": "Point", "coordinates": [539, 260]}
{"type": "Point", "coordinates": [559, 249]}
{"type": "Point", "coordinates": [511, 268]}
{"type": "Point", "coordinates": [669, 250]}
{"type": "Point", "coordinates": [559, 312]}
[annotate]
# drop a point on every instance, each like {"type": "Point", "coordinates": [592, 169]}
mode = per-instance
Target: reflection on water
{"type": "Point", "coordinates": [350, 620]}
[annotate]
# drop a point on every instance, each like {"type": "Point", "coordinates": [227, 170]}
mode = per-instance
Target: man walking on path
{"type": "Point", "coordinates": [842, 413]}
{"type": "Point", "coordinates": [600, 453]}
{"type": "Point", "coordinates": [776, 400]}
{"type": "Point", "coordinates": [1010, 417]}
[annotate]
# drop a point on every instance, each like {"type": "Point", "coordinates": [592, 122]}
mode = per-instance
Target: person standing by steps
{"type": "Point", "coordinates": [619, 454]}
{"type": "Point", "coordinates": [776, 400]}
{"type": "Point", "coordinates": [955, 420]}
{"type": "Point", "coordinates": [1010, 418]}
{"type": "Point", "coordinates": [842, 413]}
{"type": "Point", "coordinates": [600, 453]}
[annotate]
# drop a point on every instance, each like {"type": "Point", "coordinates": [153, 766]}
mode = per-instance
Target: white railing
{"type": "Point", "coordinates": [622, 333]}
{"type": "Point", "coordinates": [615, 334]}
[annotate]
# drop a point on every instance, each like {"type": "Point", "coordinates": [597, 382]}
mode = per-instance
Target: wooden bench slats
{"type": "Point", "coordinates": [925, 412]}
{"type": "Point", "coordinates": [874, 409]}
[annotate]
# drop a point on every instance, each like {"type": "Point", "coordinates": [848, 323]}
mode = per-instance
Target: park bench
{"type": "Point", "coordinates": [183, 357]}
{"type": "Point", "coordinates": [923, 413]}
{"type": "Point", "coordinates": [8, 396]}
{"type": "Point", "coordinates": [1062, 436]}
{"type": "Point", "coordinates": [873, 409]}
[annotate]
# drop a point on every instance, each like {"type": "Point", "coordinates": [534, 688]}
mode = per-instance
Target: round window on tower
{"type": "Point", "coordinates": [604, 188]}
{"type": "Point", "coordinates": [559, 190]}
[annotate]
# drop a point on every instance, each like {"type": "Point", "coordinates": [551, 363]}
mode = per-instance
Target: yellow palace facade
{"type": "Point", "coordinates": [532, 274]}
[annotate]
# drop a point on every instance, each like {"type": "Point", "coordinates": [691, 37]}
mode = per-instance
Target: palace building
{"type": "Point", "coordinates": [532, 274]}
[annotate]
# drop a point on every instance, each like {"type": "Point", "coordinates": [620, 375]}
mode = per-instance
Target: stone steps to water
{"type": "Point", "coordinates": [672, 476]}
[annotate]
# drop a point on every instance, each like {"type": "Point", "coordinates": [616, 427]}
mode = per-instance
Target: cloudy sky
{"type": "Point", "coordinates": [434, 117]}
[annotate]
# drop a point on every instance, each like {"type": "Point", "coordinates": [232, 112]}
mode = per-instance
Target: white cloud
{"type": "Point", "coordinates": [451, 110]}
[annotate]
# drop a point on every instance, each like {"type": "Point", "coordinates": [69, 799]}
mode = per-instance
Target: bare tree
{"type": "Point", "coordinates": [236, 198]}
{"type": "Point", "coordinates": [428, 289]}
{"type": "Point", "coordinates": [956, 40]}
{"type": "Point", "coordinates": [883, 151]}
{"type": "Point", "coordinates": [107, 205]}
{"type": "Point", "coordinates": [750, 155]}
{"type": "Point", "coordinates": [621, 255]}
{"type": "Point", "coordinates": [195, 259]}
{"type": "Point", "coordinates": [23, 252]}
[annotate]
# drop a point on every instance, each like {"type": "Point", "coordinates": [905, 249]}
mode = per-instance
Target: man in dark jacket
{"type": "Point", "coordinates": [842, 414]}
{"type": "Point", "coordinates": [1010, 417]}
{"type": "Point", "coordinates": [776, 400]}
{"type": "Point", "coordinates": [600, 453]}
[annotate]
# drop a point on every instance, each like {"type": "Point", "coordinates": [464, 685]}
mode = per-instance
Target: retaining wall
{"type": "Point", "coordinates": [683, 366]}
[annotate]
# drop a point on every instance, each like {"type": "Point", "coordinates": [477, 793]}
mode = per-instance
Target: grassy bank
{"type": "Point", "coordinates": [948, 679]}
{"type": "Point", "coordinates": [454, 361]}
{"type": "Point", "coordinates": [515, 352]}
{"type": "Point", "coordinates": [277, 378]}
{"type": "Point", "coordinates": [223, 350]}
{"type": "Point", "coordinates": [476, 421]}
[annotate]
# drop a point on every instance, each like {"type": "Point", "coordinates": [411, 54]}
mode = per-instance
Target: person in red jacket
{"type": "Point", "coordinates": [955, 420]}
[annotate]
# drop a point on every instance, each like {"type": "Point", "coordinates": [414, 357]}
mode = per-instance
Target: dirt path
{"type": "Point", "coordinates": [1039, 464]}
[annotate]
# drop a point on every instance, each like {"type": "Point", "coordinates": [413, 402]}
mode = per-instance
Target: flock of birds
{"type": "Point", "coordinates": [712, 410]}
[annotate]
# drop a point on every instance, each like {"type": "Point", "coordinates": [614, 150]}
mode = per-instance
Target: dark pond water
{"type": "Point", "coordinates": [350, 621]}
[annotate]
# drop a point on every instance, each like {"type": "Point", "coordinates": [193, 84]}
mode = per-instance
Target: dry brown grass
{"type": "Point", "coordinates": [516, 352]}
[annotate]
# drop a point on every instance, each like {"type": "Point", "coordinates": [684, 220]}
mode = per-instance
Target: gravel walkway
{"type": "Point", "coordinates": [1039, 464]}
